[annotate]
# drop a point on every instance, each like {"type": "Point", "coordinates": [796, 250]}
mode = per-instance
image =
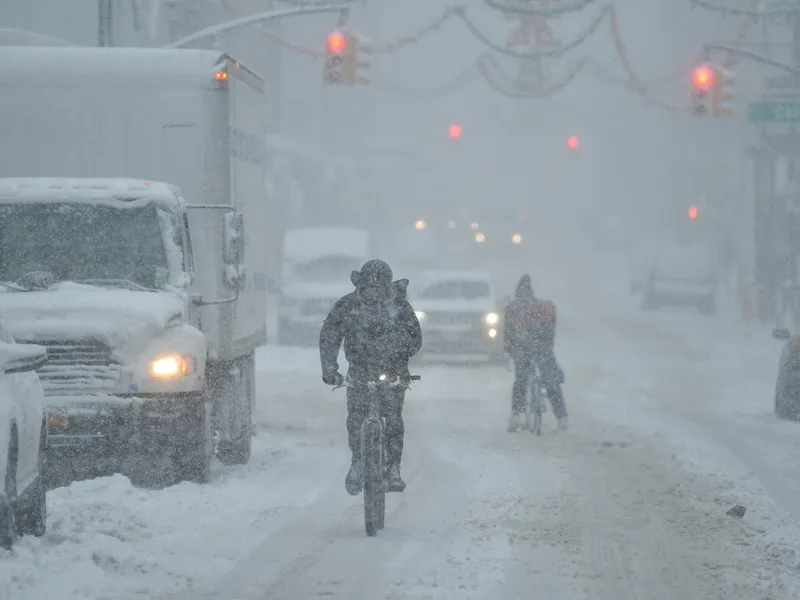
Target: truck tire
{"type": "Point", "coordinates": [8, 527]}
{"type": "Point", "coordinates": [238, 452]}
{"type": "Point", "coordinates": [32, 519]}
{"type": "Point", "coordinates": [194, 449]}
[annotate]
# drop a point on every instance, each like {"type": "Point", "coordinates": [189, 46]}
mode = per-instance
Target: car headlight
{"type": "Point", "coordinates": [491, 318]}
{"type": "Point", "coordinates": [420, 315]}
{"type": "Point", "coordinates": [516, 238]}
{"type": "Point", "coordinates": [169, 366]}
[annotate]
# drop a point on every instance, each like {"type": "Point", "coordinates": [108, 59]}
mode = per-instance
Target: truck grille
{"type": "Point", "coordinates": [464, 319]}
{"type": "Point", "coordinates": [80, 367]}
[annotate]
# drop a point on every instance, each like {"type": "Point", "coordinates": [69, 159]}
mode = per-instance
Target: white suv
{"type": "Point", "coordinates": [23, 438]}
{"type": "Point", "coordinates": [460, 315]}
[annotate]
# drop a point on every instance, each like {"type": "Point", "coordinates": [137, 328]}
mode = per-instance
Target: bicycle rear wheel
{"type": "Point", "coordinates": [374, 491]}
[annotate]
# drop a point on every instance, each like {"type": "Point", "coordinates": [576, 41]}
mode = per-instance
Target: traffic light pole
{"type": "Point", "coordinates": [261, 17]}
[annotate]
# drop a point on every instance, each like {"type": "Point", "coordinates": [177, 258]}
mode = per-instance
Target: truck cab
{"type": "Point", "coordinates": [102, 274]}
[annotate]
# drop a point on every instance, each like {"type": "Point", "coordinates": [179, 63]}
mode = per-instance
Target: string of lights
{"type": "Point", "coordinates": [753, 13]}
{"type": "Point", "coordinates": [555, 52]}
{"type": "Point", "coordinates": [390, 47]}
{"type": "Point", "coordinates": [545, 10]}
{"type": "Point", "coordinates": [492, 72]}
{"type": "Point", "coordinates": [500, 82]}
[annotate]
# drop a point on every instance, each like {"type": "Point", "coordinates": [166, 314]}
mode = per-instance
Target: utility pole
{"type": "Point", "coordinates": [105, 23]}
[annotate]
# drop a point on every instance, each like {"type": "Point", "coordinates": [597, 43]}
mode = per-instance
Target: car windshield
{"type": "Point", "coordinates": [327, 268]}
{"type": "Point", "coordinates": [451, 290]}
{"type": "Point", "coordinates": [83, 242]}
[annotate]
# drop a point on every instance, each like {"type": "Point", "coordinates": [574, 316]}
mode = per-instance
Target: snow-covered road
{"type": "Point", "coordinates": [670, 426]}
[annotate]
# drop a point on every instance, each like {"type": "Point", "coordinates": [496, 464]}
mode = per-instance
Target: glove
{"type": "Point", "coordinates": [333, 378]}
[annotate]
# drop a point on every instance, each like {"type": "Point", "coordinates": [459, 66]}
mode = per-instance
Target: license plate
{"type": "Point", "coordinates": [57, 420]}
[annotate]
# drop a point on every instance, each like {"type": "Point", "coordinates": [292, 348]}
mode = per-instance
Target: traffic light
{"type": "Point", "coordinates": [693, 212]}
{"type": "Point", "coordinates": [352, 63]}
{"type": "Point", "coordinates": [454, 131]}
{"type": "Point", "coordinates": [722, 93]}
{"type": "Point", "coordinates": [342, 62]}
{"type": "Point", "coordinates": [334, 58]}
{"type": "Point", "coordinates": [573, 141]}
{"type": "Point", "coordinates": [702, 81]}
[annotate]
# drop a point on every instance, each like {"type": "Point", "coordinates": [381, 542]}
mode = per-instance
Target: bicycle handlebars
{"type": "Point", "coordinates": [382, 381]}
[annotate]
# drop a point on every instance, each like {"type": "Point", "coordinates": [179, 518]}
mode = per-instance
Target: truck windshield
{"type": "Point", "coordinates": [327, 268]}
{"type": "Point", "coordinates": [78, 242]}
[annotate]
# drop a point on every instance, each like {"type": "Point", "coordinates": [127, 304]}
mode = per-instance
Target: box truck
{"type": "Point", "coordinates": [132, 246]}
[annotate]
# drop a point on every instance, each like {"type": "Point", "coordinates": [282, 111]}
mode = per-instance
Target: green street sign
{"type": "Point", "coordinates": [774, 112]}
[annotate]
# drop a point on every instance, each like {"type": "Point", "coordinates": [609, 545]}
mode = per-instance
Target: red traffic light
{"type": "Point", "coordinates": [703, 77]}
{"type": "Point", "coordinates": [573, 141]}
{"type": "Point", "coordinates": [454, 131]}
{"type": "Point", "coordinates": [336, 42]}
{"type": "Point", "coordinates": [692, 212]}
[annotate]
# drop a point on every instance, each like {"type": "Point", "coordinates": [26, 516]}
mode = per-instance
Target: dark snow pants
{"type": "Point", "coordinates": [552, 377]}
{"type": "Point", "coordinates": [391, 410]}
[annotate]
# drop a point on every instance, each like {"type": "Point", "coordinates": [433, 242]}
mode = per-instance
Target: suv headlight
{"type": "Point", "coordinates": [491, 318]}
{"type": "Point", "coordinates": [169, 366]}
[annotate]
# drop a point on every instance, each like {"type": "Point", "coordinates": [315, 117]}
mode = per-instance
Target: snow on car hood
{"type": "Point", "coordinates": [316, 289]}
{"type": "Point", "coordinates": [454, 305]}
{"type": "Point", "coordinates": [73, 311]}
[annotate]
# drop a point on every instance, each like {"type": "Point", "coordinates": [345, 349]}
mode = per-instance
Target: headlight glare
{"type": "Point", "coordinates": [169, 366]}
{"type": "Point", "coordinates": [492, 318]}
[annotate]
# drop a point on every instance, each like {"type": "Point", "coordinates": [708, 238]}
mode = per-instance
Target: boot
{"type": "Point", "coordinates": [352, 482]}
{"type": "Point", "coordinates": [396, 483]}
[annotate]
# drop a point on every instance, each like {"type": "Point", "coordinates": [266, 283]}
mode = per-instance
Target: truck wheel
{"type": "Point", "coordinates": [33, 518]}
{"type": "Point", "coordinates": [193, 450]}
{"type": "Point", "coordinates": [8, 527]}
{"type": "Point", "coordinates": [238, 452]}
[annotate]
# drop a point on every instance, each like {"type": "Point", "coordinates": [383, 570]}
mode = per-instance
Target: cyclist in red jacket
{"type": "Point", "coordinates": [529, 338]}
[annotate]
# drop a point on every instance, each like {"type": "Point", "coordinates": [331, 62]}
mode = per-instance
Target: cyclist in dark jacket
{"type": "Point", "coordinates": [381, 333]}
{"type": "Point", "coordinates": [529, 338]}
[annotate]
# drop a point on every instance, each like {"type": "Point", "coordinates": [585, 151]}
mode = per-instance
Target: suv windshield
{"type": "Point", "coordinates": [327, 268]}
{"type": "Point", "coordinates": [468, 290]}
{"type": "Point", "coordinates": [77, 242]}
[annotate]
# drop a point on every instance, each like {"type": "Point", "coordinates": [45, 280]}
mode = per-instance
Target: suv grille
{"type": "Point", "coordinates": [78, 367]}
{"type": "Point", "coordinates": [454, 318]}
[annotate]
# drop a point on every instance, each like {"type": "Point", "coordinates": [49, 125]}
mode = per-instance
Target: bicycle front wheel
{"type": "Point", "coordinates": [374, 492]}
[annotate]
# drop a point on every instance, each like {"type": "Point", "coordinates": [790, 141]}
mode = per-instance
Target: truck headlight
{"type": "Point", "coordinates": [169, 366]}
{"type": "Point", "coordinates": [491, 318]}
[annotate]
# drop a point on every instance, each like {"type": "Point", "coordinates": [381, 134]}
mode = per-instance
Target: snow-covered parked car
{"type": "Point", "coordinates": [23, 435]}
{"type": "Point", "coordinates": [460, 315]}
{"type": "Point", "coordinates": [683, 276]}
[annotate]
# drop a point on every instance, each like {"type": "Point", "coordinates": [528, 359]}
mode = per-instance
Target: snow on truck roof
{"type": "Point", "coordinates": [46, 188]}
{"type": "Point", "coordinates": [153, 66]}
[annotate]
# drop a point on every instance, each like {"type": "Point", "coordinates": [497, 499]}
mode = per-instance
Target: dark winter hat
{"type": "Point", "coordinates": [373, 273]}
{"type": "Point", "coordinates": [524, 287]}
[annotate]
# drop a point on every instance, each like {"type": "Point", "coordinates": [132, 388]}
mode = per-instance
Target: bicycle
{"type": "Point", "coordinates": [373, 448]}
